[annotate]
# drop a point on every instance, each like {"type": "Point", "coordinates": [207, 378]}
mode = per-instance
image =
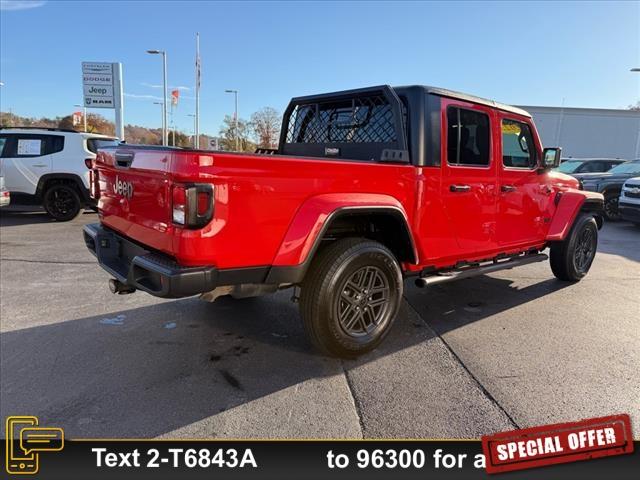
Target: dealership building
{"type": "Point", "coordinates": [589, 132]}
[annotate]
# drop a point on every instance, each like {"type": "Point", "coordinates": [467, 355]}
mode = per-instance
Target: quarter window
{"type": "Point", "coordinates": [467, 137]}
{"type": "Point", "coordinates": [93, 144]}
{"type": "Point", "coordinates": [518, 148]}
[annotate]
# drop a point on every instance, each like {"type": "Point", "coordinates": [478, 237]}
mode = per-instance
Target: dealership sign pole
{"type": "Point", "coordinates": [102, 88]}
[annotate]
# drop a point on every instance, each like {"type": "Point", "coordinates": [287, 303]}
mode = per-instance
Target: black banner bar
{"type": "Point", "coordinates": [295, 460]}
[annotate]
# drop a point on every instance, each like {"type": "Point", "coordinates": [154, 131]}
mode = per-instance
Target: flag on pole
{"type": "Point", "coordinates": [175, 95]}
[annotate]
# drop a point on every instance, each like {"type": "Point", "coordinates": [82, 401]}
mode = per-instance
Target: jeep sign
{"type": "Point", "coordinates": [97, 84]}
{"type": "Point", "coordinates": [102, 88]}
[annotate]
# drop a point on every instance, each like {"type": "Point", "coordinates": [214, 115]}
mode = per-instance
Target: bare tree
{"type": "Point", "coordinates": [265, 125]}
{"type": "Point", "coordinates": [228, 135]}
{"type": "Point", "coordinates": [635, 107]}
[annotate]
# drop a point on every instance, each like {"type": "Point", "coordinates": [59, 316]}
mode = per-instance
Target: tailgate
{"type": "Point", "coordinates": [135, 193]}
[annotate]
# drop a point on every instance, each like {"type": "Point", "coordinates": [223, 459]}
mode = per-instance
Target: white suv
{"type": "Point", "coordinates": [51, 166]}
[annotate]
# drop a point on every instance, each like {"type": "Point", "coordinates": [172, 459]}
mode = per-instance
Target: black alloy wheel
{"type": "Point", "coordinates": [62, 202]}
{"type": "Point", "coordinates": [363, 302]}
{"type": "Point", "coordinates": [610, 208]}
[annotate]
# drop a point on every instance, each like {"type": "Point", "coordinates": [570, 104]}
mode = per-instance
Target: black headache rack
{"type": "Point", "coordinates": [361, 124]}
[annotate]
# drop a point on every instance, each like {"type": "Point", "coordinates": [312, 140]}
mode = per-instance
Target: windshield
{"type": "Point", "coordinates": [569, 166]}
{"type": "Point", "coordinates": [631, 167]}
{"type": "Point", "coordinates": [93, 144]}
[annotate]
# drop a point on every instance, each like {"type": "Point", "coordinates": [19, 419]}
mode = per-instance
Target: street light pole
{"type": "Point", "coordinates": [235, 93]}
{"type": "Point", "coordinates": [164, 92]}
{"type": "Point", "coordinates": [84, 115]}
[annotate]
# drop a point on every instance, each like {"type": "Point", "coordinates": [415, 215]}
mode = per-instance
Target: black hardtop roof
{"type": "Point", "coordinates": [442, 92]}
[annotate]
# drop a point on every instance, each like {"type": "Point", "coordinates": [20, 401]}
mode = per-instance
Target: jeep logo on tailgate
{"type": "Point", "coordinates": [123, 188]}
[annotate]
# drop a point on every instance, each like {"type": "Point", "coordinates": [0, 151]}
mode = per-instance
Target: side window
{"type": "Point", "coordinates": [53, 144]}
{"type": "Point", "coordinates": [593, 167]}
{"type": "Point", "coordinates": [518, 147]}
{"type": "Point", "coordinates": [3, 142]}
{"type": "Point", "coordinates": [467, 137]}
{"type": "Point", "coordinates": [34, 145]}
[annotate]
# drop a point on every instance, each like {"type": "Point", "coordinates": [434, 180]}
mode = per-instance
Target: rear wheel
{"type": "Point", "coordinates": [62, 202]}
{"type": "Point", "coordinates": [571, 259]}
{"type": "Point", "coordinates": [611, 207]}
{"type": "Point", "coordinates": [351, 296]}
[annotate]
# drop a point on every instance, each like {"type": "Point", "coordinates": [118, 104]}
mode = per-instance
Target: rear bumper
{"type": "Point", "coordinates": [629, 211]}
{"type": "Point", "coordinates": [157, 274]}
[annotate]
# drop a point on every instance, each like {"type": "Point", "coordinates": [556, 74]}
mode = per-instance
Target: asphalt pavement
{"type": "Point", "coordinates": [512, 349]}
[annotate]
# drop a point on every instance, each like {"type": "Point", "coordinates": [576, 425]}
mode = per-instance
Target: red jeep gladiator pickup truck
{"type": "Point", "coordinates": [367, 187]}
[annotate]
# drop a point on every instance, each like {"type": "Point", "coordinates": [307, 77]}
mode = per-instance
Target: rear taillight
{"type": "Point", "coordinates": [192, 205]}
{"type": "Point", "coordinates": [94, 184]}
{"type": "Point", "coordinates": [179, 204]}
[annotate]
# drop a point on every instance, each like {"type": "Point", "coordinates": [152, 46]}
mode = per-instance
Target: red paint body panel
{"type": "Point", "coordinates": [312, 216]}
{"type": "Point", "coordinates": [257, 198]}
{"type": "Point", "coordinates": [570, 204]}
{"type": "Point", "coordinates": [270, 209]}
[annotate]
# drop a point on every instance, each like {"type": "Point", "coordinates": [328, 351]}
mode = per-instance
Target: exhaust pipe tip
{"type": "Point", "coordinates": [117, 287]}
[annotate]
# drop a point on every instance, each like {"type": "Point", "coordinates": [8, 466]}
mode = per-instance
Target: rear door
{"type": "Point", "coordinates": [469, 181]}
{"type": "Point", "coordinates": [26, 157]}
{"type": "Point", "coordinates": [524, 193]}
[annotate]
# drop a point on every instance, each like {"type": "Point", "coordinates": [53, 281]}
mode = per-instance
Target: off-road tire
{"type": "Point", "coordinates": [332, 297]}
{"type": "Point", "coordinates": [571, 259]}
{"type": "Point", "coordinates": [62, 202]}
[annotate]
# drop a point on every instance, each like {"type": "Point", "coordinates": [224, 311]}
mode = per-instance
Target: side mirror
{"type": "Point", "coordinates": [551, 158]}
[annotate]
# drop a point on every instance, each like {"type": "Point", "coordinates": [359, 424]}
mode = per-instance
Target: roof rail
{"type": "Point", "coordinates": [50, 129]}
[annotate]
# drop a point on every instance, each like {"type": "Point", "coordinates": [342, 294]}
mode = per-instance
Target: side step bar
{"type": "Point", "coordinates": [480, 270]}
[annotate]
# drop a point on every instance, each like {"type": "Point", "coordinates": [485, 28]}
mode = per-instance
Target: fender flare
{"type": "Point", "coordinates": [312, 219]}
{"type": "Point", "coordinates": [569, 204]}
{"type": "Point", "coordinates": [84, 192]}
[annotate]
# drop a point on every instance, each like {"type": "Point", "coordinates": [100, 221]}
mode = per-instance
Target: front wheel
{"type": "Point", "coordinates": [571, 259]}
{"type": "Point", "coordinates": [350, 297]}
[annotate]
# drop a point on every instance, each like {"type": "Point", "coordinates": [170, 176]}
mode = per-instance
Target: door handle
{"type": "Point", "coordinates": [508, 188]}
{"type": "Point", "coordinates": [40, 165]}
{"type": "Point", "coordinates": [459, 188]}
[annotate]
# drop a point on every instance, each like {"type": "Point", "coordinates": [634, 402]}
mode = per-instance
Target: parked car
{"type": "Point", "coordinates": [610, 185]}
{"type": "Point", "coordinates": [588, 165]}
{"type": "Point", "coordinates": [367, 187]}
{"type": "Point", "coordinates": [50, 166]}
{"type": "Point", "coordinates": [629, 202]}
{"type": "Point", "coordinates": [5, 196]}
